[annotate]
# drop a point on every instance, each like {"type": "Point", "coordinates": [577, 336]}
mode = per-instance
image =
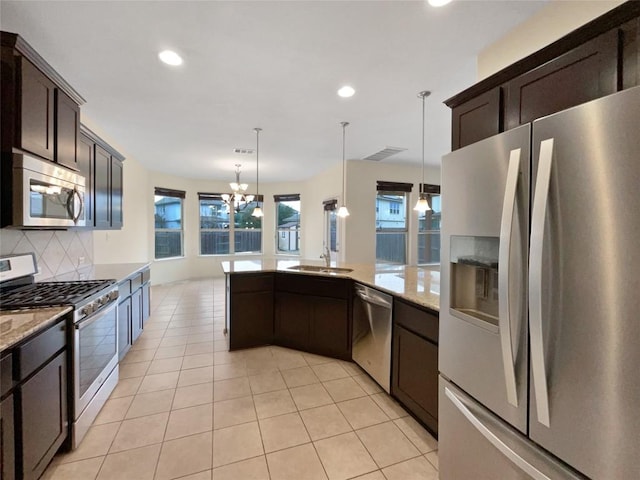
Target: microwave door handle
{"type": "Point", "coordinates": [538, 215]}
{"type": "Point", "coordinates": [80, 204]}
{"type": "Point", "coordinates": [506, 225]}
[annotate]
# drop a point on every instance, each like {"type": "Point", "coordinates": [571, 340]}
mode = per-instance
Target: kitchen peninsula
{"type": "Point", "coordinates": [314, 308]}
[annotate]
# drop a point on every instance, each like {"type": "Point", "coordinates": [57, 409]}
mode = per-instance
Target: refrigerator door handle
{"type": "Point", "coordinates": [504, 254]}
{"type": "Point", "coordinates": [538, 216]}
{"type": "Point", "coordinates": [502, 447]}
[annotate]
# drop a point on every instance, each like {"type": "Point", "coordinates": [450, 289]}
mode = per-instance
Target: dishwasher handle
{"type": "Point", "coordinates": [369, 297]}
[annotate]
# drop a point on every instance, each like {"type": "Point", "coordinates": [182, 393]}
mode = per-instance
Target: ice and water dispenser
{"type": "Point", "coordinates": [474, 279]}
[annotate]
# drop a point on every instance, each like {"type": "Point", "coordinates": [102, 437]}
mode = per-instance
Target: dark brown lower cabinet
{"type": "Point", "coordinates": [291, 320]}
{"type": "Point", "coordinates": [133, 309]}
{"type": "Point", "coordinates": [250, 310]}
{"type": "Point", "coordinates": [44, 416]}
{"type": "Point", "coordinates": [414, 377]}
{"type": "Point", "coordinates": [7, 440]}
{"type": "Point", "coordinates": [124, 327]}
{"type": "Point", "coordinates": [329, 327]}
{"type": "Point", "coordinates": [136, 314]}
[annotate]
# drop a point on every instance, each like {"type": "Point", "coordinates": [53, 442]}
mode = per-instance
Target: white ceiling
{"type": "Point", "coordinates": [275, 65]}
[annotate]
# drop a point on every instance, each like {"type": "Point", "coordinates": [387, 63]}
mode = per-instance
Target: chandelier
{"type": "Point", "coordinates": [237, 200]}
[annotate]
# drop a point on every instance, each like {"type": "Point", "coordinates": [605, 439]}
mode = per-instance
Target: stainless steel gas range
{"type": "Point", "coordinates": [92, 337]}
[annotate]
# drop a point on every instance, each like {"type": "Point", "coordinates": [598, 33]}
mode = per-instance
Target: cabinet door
{"type": "Point", "coordinates": [67, 130]}
{"type": "Point", "coordinates": [630, 46]}
{"type": "Point", "coordinates": [251, 319]}
{"type": "Point", "coordinates": [86, 165]}
{"type": "Point", "coordinates": [476, 119]}
{"type": "Point", "coordinates": [44, 416]}
{"type": "Point", "coordinates": [7, 440]}
{"type": "Point", "coordinates": [124, 328]}
{"type": "Point", "coordinates": [329, 327]}
{"type": "Point", "coordinates": [116, 193]}
{"type": "Point", "coordinates": [292, 317]}
{"type": "Point", "coordinates": [414, 380]}
{"type": "Point", "coordinates": [102, 185]}
{"type": "Point", "coordinates": [585, 73]}
{"type": "Point", "coordinates": [136, 315]}
{"type": "Point", "coordinates": [37, 112]}
{"type": "Point", "coordinates": [146, 303]}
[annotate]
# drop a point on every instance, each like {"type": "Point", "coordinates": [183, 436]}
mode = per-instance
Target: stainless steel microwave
{"type": "Point", "coordinates": [46, 195]}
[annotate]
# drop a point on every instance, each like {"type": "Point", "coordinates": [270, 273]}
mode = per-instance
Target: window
{"type": "Point", "coordinates": [288, 223]}
{"type": "Point", "coordinates": [225, 231]}
{"type": "Point", "coordinates": [429, 228]}
{"type": "Point", "coordinates": [391, 222]}
{"type": "Point", "coordinates": [330, 240]}
{"type": "Point", "coordinates": [168, 222]}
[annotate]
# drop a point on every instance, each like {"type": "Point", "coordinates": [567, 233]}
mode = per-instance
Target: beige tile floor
{"type": "Point", "coordinates": [187, 408]}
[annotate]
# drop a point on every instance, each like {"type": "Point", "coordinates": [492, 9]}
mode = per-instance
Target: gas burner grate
{"type": "Point", "coordinates": [52, 293]}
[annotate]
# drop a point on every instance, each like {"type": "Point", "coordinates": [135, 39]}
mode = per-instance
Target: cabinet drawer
{"type": "Point", "coordinates": [6, 373]}
{"type": "Point", "coordinates": [124, 289]}
{"type": "Point", "coordinates": [146, 275]}
{"type": "Point", "coordinates": [40, 349]}
{"type": "Point", "coordinates": [251, 282]}
{"type": "Point", "coordinates": [416, 319]}
{"type": "Point", "coordinates": [136, 281]}
{"type": "Point", "coordinates": [313, 285]}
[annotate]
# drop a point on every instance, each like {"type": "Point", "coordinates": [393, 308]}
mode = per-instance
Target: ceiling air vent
{"type": "Point", "coordinates": [244, 151]}
{"type": "Point", "coordinates": [386, 153]}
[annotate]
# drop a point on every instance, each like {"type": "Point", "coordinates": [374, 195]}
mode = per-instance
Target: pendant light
{"type": "Point", "coordinates": [257, 212]}
{"type": "Point", "coordinates": [237, 200]}
{"type": "Point", "coordinates": [342, 211]}
{"type": "Point", "coordinates": [422, 205]}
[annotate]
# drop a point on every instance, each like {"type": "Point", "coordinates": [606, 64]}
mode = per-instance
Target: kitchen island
{"type": "Point", "coordinates": [308, 306]}
{"type": "Point", "coordinates": [419, 285]}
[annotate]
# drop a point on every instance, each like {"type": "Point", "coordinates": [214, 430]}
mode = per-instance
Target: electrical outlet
{"type": "Point", "coordinates": [80, 260]}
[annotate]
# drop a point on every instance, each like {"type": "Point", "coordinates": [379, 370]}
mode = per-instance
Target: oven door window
{"type": "Point", "coordinates": [50, 201]}
{"type": "Point", "coordinates": [96, 347]}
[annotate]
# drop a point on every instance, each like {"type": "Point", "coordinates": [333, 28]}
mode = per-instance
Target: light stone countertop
{"type": "Point", "coordinates": [16, 325]}
{"type": "Point", "coordinates": [106, 271]}
{"type": "Point", "coordinates": [420, 285]}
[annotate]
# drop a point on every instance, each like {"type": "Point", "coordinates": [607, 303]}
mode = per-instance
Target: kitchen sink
{"type": "Point", "coordinates": [319, 269]}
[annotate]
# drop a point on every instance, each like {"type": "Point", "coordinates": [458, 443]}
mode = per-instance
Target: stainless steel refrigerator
{"type": "Point", "coordinates": [539, 351]}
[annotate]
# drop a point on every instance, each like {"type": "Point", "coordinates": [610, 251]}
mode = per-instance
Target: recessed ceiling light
{"type": "Point", "coordinates": [346, 91]}
{"type": "Point", "coordinates": [170, 57]}
{"type": "Point", "coordinates": [438, 3]}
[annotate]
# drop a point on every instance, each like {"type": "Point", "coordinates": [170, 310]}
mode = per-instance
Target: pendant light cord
{"type": "Point", "coordinates": [344, 186]}
{"type": "Point", "coordinates": [257, 130]}
{"type": "Point", "coordinates": [424, 94]}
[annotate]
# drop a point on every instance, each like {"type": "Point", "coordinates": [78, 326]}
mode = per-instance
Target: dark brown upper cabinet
{"type": "Point", "coordinates": [34, 132]}
{"type": "Point", "coordinates": [40, 110]}
{"type": "Point", "coordinates": [479, 118]}
{"type": "Point", "coordinates": [597, 59]}
{"type": "Point", "coordinates": [585, 73]}
{"type": "Point", "coordinates": [86, 165]}
{"type": "Point", "coordinates": [103, 168]}
{"type": "Point", "coordinates": [67, 131]}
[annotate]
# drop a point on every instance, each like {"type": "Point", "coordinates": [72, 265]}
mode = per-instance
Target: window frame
{"type": "Point", "coordinates": [431, 191]}
{"type": "Point", "coordinates": [258, 200]}
{"type": "Point", "coordinates": [282, 232]}
{"type": "Point", "coordinates": [399, 189]}
{"type": "Point", "coordinates": [168, 193]}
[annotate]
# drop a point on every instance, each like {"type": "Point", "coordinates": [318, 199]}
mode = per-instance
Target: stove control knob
{"type": "Point", "coordinates": [88, 310]}
{"type": "Point", "coordinates": [113, 295]}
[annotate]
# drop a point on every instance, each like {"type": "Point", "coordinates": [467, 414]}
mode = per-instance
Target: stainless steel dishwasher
{"type": "Point", "coordinates": [371, 338]}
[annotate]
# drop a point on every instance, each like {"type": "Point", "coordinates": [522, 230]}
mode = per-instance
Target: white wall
{"type": "Point", "coordinates": [549, 24]}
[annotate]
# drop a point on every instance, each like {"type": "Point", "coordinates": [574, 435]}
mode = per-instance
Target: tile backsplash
{"type": "Point", "coordinates": [57, 252]}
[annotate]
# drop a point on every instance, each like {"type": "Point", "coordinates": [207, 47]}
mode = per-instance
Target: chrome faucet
{"type": "Point", "coordinates": [327, 256]}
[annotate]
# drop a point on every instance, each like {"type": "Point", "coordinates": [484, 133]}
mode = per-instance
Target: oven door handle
{"type": "Point", "coordinates": [94, 317]}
